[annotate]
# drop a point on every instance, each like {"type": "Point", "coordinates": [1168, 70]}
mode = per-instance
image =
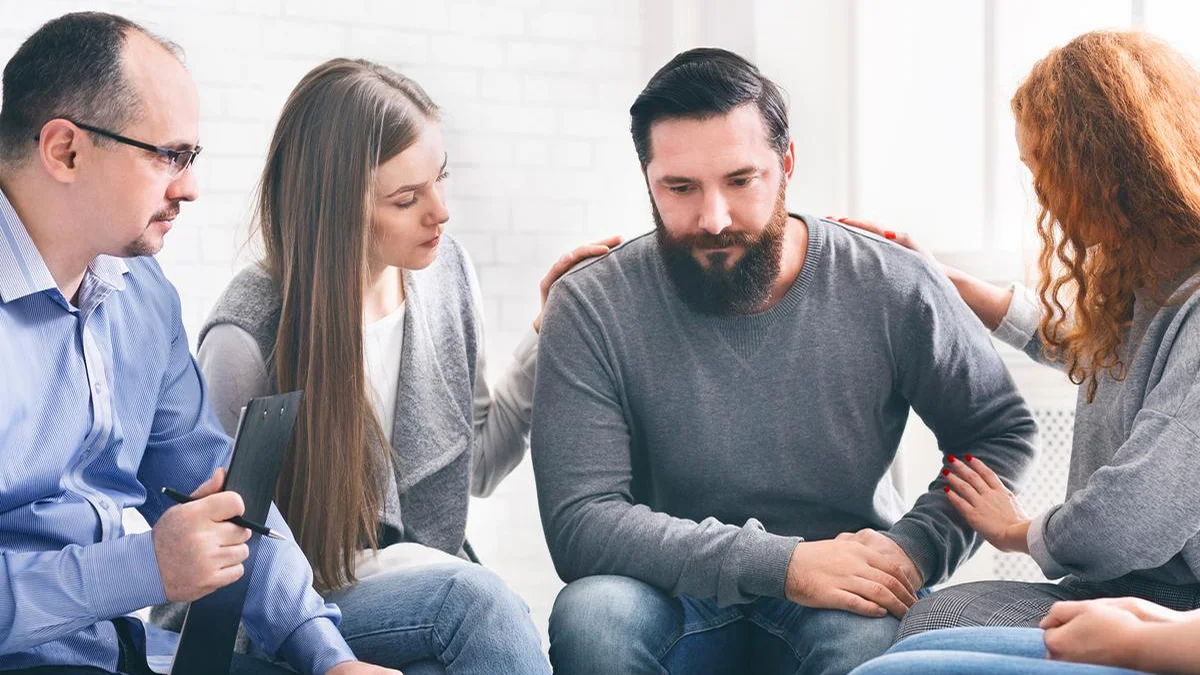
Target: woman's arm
{"type": "Point", "coordinates": [234, 372]}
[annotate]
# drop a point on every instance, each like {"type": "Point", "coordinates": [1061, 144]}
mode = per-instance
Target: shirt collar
{"type": "Point", "coordinates": [23, 271]}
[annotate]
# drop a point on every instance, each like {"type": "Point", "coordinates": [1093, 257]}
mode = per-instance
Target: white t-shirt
{"type": "Point", "coordinates": [382, 340]}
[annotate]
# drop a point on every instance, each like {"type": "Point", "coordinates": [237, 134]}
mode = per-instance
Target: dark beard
{"type": "Point", "coordinates": [718, 289]}
{"type": "Point", "coordinates": [139, 248]}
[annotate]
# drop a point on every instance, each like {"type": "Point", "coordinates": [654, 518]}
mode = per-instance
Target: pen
{"type": "Point", "coordinates": [265, 531]}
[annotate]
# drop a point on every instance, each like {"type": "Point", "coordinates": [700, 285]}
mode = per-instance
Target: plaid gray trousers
{"type": "Point", "coordinates": [1022, 604]}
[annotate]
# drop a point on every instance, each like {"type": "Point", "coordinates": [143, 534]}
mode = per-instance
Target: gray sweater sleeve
{"type": "Point", "coordinates": [234, 371]}
{"type": "Point", "coordinates": [503, 414]}
{"type": "Point", "coordinates": [1019, 328]}
{"type": "Point", "coordinates": [949, 371]}
{"type": "Point", "coordinates": [1138, 510]}
{"type": "Point", "coordinates": [582, 460]}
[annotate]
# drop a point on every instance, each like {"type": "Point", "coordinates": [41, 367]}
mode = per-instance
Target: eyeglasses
{"type": "Point", "coordinates": [177, 161]}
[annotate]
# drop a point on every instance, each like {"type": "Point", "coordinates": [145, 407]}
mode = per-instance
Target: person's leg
{"type": "Point", "coordinates": [1024, 642]}
{"type": "Point", "coordinates": [59, 670]}
{"type": "Point", "coordinates": [250, 665]}
{"type": "Point", "coordinates": [957, 663]}
{"type": "Point", "coordinates": [985, 603]}
{"type": "Point", "coordinates": [460, 615]}
{"type": "Point", "coordinates": [425, 668]}
{"type": "Point", "coordinates": [817, 641]}
{"type": "Point", "coordinates": [615, 624]}
{"type": "Point", "coordinates": [713, 640]}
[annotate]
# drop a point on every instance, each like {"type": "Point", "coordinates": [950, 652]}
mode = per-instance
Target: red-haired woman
{"type": "Point", "coordinates": [1109, 126]}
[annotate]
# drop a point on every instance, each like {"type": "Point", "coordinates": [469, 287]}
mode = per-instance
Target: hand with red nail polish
{"type": "Point", "coordinates": [989, 507]}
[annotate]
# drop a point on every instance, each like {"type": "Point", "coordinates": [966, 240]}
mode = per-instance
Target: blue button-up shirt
{"type": "Point", "coordinates": [101, 405]}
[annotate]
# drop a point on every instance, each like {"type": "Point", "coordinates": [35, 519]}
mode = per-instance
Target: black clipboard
{"type": "Point", "coordinates": [211, 624]}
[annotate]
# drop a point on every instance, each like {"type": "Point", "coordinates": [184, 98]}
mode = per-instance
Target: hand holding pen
{"type": "Point", "coordinates": [197, 551]}
{"type": "Point", "coordinates": [180, 498]}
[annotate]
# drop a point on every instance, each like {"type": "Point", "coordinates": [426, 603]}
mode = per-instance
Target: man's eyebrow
{"type": "Point", "coordinates": [675, 179]}
{"type": "Point", "coordinates": [744, 171]}
{"type": "Point", "coordinates": [180, 145]}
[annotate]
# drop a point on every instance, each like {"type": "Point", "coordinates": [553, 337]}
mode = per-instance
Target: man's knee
{"type": "Point", "coordinates": [610, 619]}
{"type": "Point", "coordinates": [843, 640]}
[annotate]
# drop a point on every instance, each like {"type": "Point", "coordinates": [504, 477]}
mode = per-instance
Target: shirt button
{"type": "Point", "coordinates": [96, 388]}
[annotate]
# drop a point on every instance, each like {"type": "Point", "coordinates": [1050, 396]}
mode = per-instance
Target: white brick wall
{"type": "Point", "coordinates": [534, 94]}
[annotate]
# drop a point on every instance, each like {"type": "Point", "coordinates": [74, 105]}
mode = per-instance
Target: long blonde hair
{"type": "Point", "coordinates": [341, 122]}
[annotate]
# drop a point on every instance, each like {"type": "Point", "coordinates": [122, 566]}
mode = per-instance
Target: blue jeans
{"type": "Point", "coordinates": [615, 624]}
{"type": "Point", "coordinates": [453, 617]}
{"type": "Point", "coordinates": [981, 650]}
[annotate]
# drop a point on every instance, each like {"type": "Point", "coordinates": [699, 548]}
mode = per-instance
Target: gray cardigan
{"type": "Point", "coordinates": [451, 436]}
{"type": "Point", "coordinates": [450, 431]}
{"type": "Point", "coordinates": [1133, 492]}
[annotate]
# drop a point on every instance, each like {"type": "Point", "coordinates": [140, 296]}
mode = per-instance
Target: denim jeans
{"type": "Point", "coordinates": [459, 617]}
{"type": "Point", "coordinates": [981, 650]}
{"type": "Point", "coordinates": [615, 624]}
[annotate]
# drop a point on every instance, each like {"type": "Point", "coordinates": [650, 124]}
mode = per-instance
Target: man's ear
{"type": "Point", "coordinates": [58, 149]}
{"type": "Point", "coordinates": [789, 161]}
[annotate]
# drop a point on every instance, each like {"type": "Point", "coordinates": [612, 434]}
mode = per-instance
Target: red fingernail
{"type": "Point", "coordinates": [945, 472]}
{"type": "Point", "coordinates": [888, 234]}
{"type": "Point", "coordinates": [952, 459]}
{"type": "Point", "coordinates": [947, 489]}
{"type": "Point", "coordinates": [970, 458]}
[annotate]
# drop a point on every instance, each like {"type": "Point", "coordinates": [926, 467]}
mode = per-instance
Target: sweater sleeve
{"type": "Point", "coordinates": [504, 414]}
{"type": "Point", "coordinates": [954, 379]}
{"type": "Point", "coordinates": [583, 465]}
{"type": "Point", "coordinates": [1019, 328]}
{"type": "Point", "coordinates": [234, 369]}
{"type": "Point", "coordinates": [1138, 510]}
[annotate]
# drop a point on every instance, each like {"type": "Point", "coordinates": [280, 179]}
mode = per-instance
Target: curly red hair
{"type": "Point", "coordinates": [1113, 122]}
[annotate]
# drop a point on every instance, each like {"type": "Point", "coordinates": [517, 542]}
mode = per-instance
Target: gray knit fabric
{"type": "Point", "coordinates": [692, 452]}
{"type": "Point", "coordinates": [1131, 507]}
{"type": "Point", "coordinates": [433, 428]}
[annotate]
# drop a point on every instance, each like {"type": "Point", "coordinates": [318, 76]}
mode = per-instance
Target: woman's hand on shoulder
{"type": "Point", "coordinates": [566, 262]}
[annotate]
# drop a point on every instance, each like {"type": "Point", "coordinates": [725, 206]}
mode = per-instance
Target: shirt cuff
{"type": "Point", "coordinates": [916, 544]}
{"type": "Point", "coordinates": [765, 562]}
{"type": "Point", "coordinates": [315, 647]}
{"type": "Point", "coordinates": [1021, 320]}
{"type": "Point", "coordinates": [1039, 551]}
{"type": "Point", "coordinates": [113, 593]}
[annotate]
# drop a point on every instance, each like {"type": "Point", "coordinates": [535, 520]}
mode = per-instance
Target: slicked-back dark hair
{"type": "Point", "coordinates": [72, 67]}
{"type": "Point", "coordinates": [704, 82]}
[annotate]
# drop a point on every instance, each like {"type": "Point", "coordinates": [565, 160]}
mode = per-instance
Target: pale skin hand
{"type": "Point", "coordinates": [197, 551]}
{"type": "Point", "coordinates": [1142, 609]}
{"type": "Point", "coordinates": [564, 265]}
{"type": "Point", "coordinates": [988, 301]}
{"type": "Point", "coordinates": [849, 575]}
{"type": "Point", "coordinates": [1094, 632]}
{"type": "Point", "coordinates": [360, 668]}
{"type": "Point", "coordinates": [891, 550]}
{"type": "Point", "coordinates": [989, 507]}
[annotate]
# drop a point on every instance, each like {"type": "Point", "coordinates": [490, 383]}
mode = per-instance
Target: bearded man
{"type": "Point", "coordinates": [718, 404]}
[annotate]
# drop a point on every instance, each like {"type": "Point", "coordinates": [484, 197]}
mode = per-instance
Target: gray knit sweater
{"type": "Point", "coordinates": [693, 452]}
{"type": "Point", "coordinates": [1133, 492]}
